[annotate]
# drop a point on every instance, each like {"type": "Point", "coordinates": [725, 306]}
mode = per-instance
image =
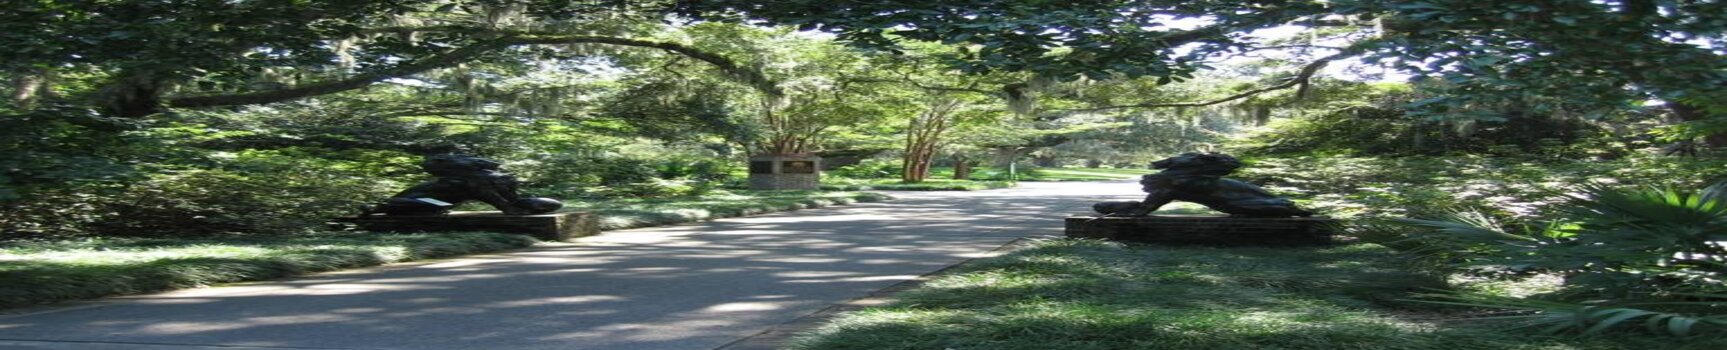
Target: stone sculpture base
{"type": "Point", "coordinates": [1205, 230]}
{"type": "Point", "coordinates": [550, 227]}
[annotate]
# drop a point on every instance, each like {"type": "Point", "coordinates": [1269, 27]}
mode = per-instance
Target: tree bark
{"type": "Point", "coordinates": [1005, 156]}
{"type": "Point", "coordinates": [27, 87]}
{"type": "Point", "coordinates": [961, 167]}
{"type": "Point", "coordinates": [749, 76]}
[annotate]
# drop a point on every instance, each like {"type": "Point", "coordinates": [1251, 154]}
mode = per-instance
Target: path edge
{"type": "Point", "coordinates": [779, 335]}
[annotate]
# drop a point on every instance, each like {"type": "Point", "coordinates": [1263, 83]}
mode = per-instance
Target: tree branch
{"type": "Point", "coordinates": [748, 76]}
{"type": "Point", "coordinates": [1300, 79]}
{"type": "Point", "coordinates": [330, 87]}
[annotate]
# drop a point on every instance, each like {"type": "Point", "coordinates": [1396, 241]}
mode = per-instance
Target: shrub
{"type": "Point", "coordinates": [874, 168]}
{"type": "Point", "coordinates": [1654, 255]}
{"type": "Point", "coordinates": [255, 193]}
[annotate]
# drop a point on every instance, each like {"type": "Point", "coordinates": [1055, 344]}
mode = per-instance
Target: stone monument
{"type": "Point", "coordinates": [785, 172]}
{"type": "Point", "coordinates": [460, 179]}
{"type": "Point", "coordinates": [1256, 217]}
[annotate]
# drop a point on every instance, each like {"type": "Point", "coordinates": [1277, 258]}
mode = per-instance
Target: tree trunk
{"type": "Point", "coordinates": [26, 87]}
{"type": "Point", "coordinates": [961, 167]}
{"type": "Point", "coordinates": [1005, 156]}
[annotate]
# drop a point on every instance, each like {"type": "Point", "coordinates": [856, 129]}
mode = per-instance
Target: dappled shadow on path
{"type": "Point", "coordinates": [692, 286]}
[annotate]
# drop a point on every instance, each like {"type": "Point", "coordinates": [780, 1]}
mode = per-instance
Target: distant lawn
{"type": "Point", "coordinates": [933, 184]}
{"type": "Point", "coordinates": [34, 273]}
{"type": "Point", "coordinates": [630, 213]}
{"type": "Point", "coordinates": [1080, 295]}
{"type": "Point", "coordinates": [1045, 174]}
{"type": "Point", "coordinates": [941, 179]}
{"type": "Point", "coordinates": [1082, 174]}
{"type": "Point", "coordinates": [43, 272]}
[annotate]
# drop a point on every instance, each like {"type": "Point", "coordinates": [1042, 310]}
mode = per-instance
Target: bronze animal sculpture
{"type": "Point", "coordinates": [461, 179]}
{"type": "Point", "coordinates": [1198, 178]}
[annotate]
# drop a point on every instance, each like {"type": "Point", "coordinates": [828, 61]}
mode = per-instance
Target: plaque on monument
{"type": "Point", "coordinates": [797, 167]}
{"type": "Point", "coordinates": [761, 167]}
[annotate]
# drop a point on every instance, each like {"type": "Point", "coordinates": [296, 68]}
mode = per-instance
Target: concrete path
{"type": "Point", "coordinates": [696, 286]}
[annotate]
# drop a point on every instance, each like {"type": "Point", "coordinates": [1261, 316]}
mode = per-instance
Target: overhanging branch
{"type": "Point", "coordinates": [748, 76]}
{"type": "Point", "coordinates": [1300, 79]}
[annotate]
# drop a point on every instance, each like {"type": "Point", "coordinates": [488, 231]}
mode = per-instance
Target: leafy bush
{"type": "Point", "coordinates": [266, 192]}
{"type": "Point", "coordinates": [1653, 255]}
{"type": "Point", "coordinates": [1514, 190]}
{"type": "Point", "coordinates": [257, 192]}
{"type": "Point", "coordinates": [1372, 130]}
{"type": "Point", "coordinates": [874, 168]}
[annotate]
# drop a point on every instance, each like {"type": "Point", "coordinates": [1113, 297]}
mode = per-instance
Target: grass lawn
{"type": "Point", "coordinates": [43, 272]}
{"type": "Point", "coordinates": [1044, 174]}
{"type": "Point", "coordinates": [932, 184]}
{"type": "Point", "coordinates": [34, 273]}
{"type": "Point", "coordinates": [941, 179]}
{"type": "Point", "coordinates": [1077, 295]}
{"type": "Point", "coordinates": [630, 213]}
{"type": "Point", "coordinates": [1081, 174]}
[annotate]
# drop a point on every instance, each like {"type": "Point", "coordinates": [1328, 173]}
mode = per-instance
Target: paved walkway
{"type": "Point", "coordinates": [696, 286]}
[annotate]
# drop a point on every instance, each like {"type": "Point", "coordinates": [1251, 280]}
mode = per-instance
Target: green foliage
{"type": "Point", "coordinates": [1383, 120]}
{"type": "Point", "coordinates": [1650, 254]}
{"type": "Point", "coordinates": [1521, 190]}
{"type": "Point", "coordinates": [55, 148]}
{"type": "Point", "coordinates": [1083, 294]}
{"type": "Point", "coordinates": [45, 272]}
{"type": "Point", "coordinates": [1595, 318]}
{"type": "Point", "coordinates": [571, 176]}
{"type": "Point", "coordinates": [254, 192]}
{"type": "Point", "coordinates": [872, 168]}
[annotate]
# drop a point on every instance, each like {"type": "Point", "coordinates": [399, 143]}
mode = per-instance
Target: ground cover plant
{"type": "Point", "coordinates": [1511, 188]}
{"type": "Point", "coordinates": [1649, 257]}
{"type": "Point", "coordinates": [49, 271]}
{"type": "Point", "coordinates": [1083, 294]}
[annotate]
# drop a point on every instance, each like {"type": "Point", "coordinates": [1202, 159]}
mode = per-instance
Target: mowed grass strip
{"type": "Point", "coordinates": [1082, 174]}
{"type": "Point", "coordinates": [40, 272]}
{"type": "Point", "coordinates": [840, 184]}
{"type": "Point", "coordinates": [616, 214]}
{"type": "Point", "coordinates": [44, 272]}
{"type": "Point", "coordinates": [1079, 294]}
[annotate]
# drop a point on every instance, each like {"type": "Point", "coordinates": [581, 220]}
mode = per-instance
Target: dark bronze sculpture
{"type": "Point", "coordinates": [461, 179]}
{"type": "Point", "coordinates": [1198, 178]}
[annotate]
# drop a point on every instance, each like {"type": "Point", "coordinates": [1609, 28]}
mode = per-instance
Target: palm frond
{"type": "Point", "coordinates": [1584, 318]}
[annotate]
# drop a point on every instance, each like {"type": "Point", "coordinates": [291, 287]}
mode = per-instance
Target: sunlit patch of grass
{"type": "Point", "coordinates": [1078, 294]}
{"type": "Point", "coordinates": [618, 214]}
{"type": "Point", "coordinates": [1082, 174]}
{"type": "Point", "coordinates": [843, 184]}
{"type": "Point", "coordinates": [43, 272]}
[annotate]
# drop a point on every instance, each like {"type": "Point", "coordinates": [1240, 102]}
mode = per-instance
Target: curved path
{"type": "Point", "coordinates": [694, 286]}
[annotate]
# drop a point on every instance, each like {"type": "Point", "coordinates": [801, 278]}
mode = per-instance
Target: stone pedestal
{"type": "Point", "coordinates": [550, 227]}
{"type": "Point", "coordinates": [1205, 230]}
{"type": "Point", "coordinates": [785, 172]}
